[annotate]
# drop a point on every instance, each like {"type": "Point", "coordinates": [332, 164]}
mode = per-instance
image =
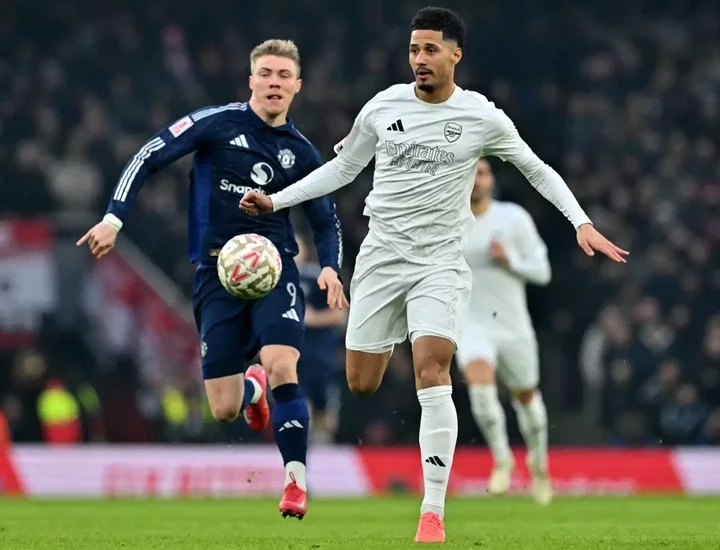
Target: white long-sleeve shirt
{"type": "Point", "coordinates": [498, 301]}
{"type": "Point", "coordinates": [425, 161]}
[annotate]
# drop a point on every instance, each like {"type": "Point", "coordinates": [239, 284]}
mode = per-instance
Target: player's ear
{"type": "Point", "coordinates": [250, 82]}
{"type": "Point", "coordinates": [298, 85]}
{"type": "Point", "coordinates": [457, 55]}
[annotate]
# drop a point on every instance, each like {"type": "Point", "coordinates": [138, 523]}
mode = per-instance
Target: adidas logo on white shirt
{"type": "Point", "coordinates": [290, 424]}
{"type": "Point", "coordinates": [396, 126]}
{"type": "Point", "coordinates": [240, 141]}
{"type": "Point", "coordinates": [291, 314]}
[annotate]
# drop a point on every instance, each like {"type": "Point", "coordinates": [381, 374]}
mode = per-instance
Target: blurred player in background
{"type": "Point", "coordinates": [241, 147]}
{"type": "Point", "coordinates": [318, 367]}
{"type": "Point", "coordinates": [504, 252]}
{"type": "Point", "coordinates": [410, 275]}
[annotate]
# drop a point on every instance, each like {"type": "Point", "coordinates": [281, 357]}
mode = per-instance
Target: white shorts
{"type": "Point", "coordinates": [391, 297]}
{"type": "Point", "coordinates": [515, 357]}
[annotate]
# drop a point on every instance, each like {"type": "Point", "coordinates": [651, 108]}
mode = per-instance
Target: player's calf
{"type": "Point", "coordinates": [291, 424]}
{"type": "Point", "coordinates": [532, 420]}
{"type": "Point", "coordinates": [365, 370]}
{"type": "Point", "coordinates": [490, 419]}
{"type": "Point", "coordinates": [438, 422]}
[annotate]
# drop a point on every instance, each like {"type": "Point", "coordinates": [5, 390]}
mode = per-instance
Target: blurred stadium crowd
{"type": "Point", "coordinates": [623, 98]}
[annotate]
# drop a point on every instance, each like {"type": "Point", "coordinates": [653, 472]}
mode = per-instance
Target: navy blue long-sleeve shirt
{"type": "Point", "coordinates": [235, 152]}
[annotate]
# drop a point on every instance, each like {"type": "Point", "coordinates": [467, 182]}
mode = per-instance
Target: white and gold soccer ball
{"type": "Point", "coordinates": [249, 266]}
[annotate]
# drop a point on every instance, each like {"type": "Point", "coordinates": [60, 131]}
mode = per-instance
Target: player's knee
{"type": "Point", "coordinates": [524, 396]}
{"type": "Point", "coordinates": [431, 371]}
{"type": "Point", "coordinates": [432, 356]}
{"type": "Point", "coordinates": [479, 373]}
{"type": "Point", "coordinates": [280, 363]}
{"type": "Point", "coordinates": [364, 371]}
{"type": "Point", "coordinates": [362, 388]}
{"type": "Point", "coordinates": [281, 372]}
{"type": "Point", "coordinates": [361, 384]}
{"type": "Point", "coordinates": [431, 374]}
{"type": "Point", "coordinates": [224, 412]}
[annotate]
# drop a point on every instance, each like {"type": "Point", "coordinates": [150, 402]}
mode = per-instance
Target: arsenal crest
{"type": "Point", "coordinates": [452, 131]}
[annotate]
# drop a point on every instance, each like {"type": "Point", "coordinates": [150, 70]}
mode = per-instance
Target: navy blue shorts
{"type": "Point", "coordinates": [232, 331]}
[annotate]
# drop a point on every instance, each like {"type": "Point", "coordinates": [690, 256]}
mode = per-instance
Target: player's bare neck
{"type": "Point", "coordinates": [479, 207]}
{"type": "Point", "coordinates": [269, 119]}
{"type": "Point", "coordinates": [438, 95]}
{"type": "Point", "coordinates": [273, 120]}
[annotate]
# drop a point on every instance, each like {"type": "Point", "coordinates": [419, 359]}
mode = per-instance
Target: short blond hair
{"type": "Point", "coordinates": [280, 48]}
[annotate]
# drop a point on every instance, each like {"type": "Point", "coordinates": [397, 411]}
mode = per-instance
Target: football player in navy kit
{"type": "Point", "coordinates": [241, 147]}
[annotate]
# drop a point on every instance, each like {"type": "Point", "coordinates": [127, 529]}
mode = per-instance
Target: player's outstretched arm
{"type": "Point", "coordinates": [353, 154]}
{"type": "Point", "coordinates": [164, 148]}
{"type": "Point", "coordinates": [330, 177]}
{"type": "Point", "coordinates": [504, 142]}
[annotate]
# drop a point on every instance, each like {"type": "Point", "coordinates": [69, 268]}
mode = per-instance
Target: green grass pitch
{"type": "Point", "coordinates": [482, 523]}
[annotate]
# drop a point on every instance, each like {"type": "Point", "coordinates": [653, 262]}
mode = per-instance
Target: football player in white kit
{"type": "Point", "coordinates": [504, 252]}
{"type": "Point", "coordinates": [410, 276]}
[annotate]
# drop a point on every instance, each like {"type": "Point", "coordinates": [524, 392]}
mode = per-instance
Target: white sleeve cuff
{"type": "Point", "coordinates": [113, 220]}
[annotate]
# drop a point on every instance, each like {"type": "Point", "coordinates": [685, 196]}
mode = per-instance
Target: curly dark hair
{"type": "Point", "coordinates": [440, 19]}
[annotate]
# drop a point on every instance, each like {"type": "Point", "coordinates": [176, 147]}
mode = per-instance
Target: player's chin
{"type": "Point", "coordinates": [276, 107]}
{"type": "Point", "coordinates": [424, 85]}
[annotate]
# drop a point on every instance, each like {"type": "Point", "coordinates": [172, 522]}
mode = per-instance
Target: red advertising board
{"type": "Point", "coordinates": [573, 470]}
{"type": "Point", "coordinates": [256, 470]}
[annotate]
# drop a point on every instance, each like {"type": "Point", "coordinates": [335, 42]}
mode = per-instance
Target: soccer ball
{"type": "Point", "coordinates": [249, 266]}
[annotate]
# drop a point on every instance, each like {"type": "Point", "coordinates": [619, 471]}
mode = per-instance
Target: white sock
{"type": "Point", "coordinates": [490, 419]}
{"type": "Point", "coordinates": [257, 394]}
{"type": "Point", "coordinates": [438, 437]}
{"type": "Point", "coordinates": [295, 471]}
{"type": "Point", "coordinates": [532, 420]}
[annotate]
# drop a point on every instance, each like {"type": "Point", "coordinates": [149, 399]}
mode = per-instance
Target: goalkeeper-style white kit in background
{"type": "Point", "coordinates": [505, 252]}
{"type": "Point", "coordinates": [498, 327]}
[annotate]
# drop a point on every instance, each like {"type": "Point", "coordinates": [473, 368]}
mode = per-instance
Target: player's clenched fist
{"type": "Point", "coordinates": [329, 280]}
{"type": "Point", "coordinates": [498, 254]}
{"type": "Point", "coordinates": [255, 203]}
{"type": "Point", "coordinates": [100, 239]}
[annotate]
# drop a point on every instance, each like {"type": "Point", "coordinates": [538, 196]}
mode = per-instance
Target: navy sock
{"type": "Point", "coordinates": [248, 394]}
{"type": "Point", "coordinates": [291, 422]}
